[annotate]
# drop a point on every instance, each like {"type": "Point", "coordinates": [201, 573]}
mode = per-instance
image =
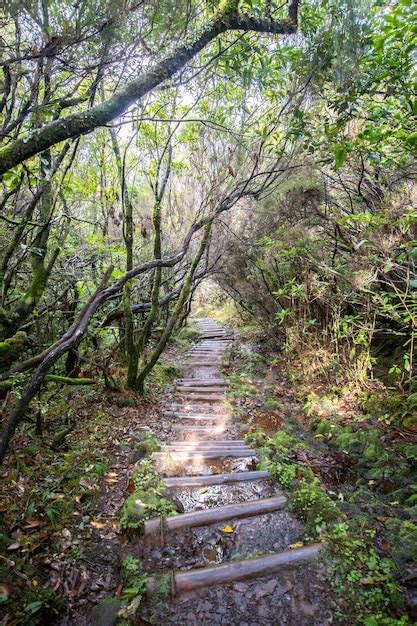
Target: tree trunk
{"type": "Point", "coordinates": [185, 292]}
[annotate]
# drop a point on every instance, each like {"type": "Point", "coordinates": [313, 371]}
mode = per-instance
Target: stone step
{"type": "Point", "coordinates": [218, 514]}
{"type": "Point", "coordinates": [214, 479]}
{"type": "Point", "coordinates": [234, 571]}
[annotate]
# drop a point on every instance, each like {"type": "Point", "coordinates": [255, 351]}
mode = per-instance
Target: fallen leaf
{"type": "Point", "coordinates": [57, 496]}
{"type": "Point", "coordinates": [98, 524]}
{"type": "Point", "coordinates": [295, 546]}
{"type": "Point", "coordinates": [228, 529]}
{"type": "Point", "coordinates": [5, 590]}
{"type": "Point", "coordinates": [203, 489]}
{"type": "Point", "coordinates": [14, 546]}
{"type": "Point", "coordinates": [34, 522]}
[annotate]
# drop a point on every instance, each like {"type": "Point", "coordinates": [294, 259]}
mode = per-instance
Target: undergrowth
{"type": "Point", "coordinates": [364, 555]}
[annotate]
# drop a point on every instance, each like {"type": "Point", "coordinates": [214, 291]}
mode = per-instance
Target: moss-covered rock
{"type": "Point", "coordinates": [125, 401]}
{"type": "Point", "coordinates": [105, 612]}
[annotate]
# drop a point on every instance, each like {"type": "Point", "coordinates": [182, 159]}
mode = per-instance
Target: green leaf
{"type": "Point", "coordinates": [340, 157]}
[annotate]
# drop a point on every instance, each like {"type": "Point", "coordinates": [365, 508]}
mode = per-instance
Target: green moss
{"type": "Point", "coordinates": [272, 405]}
{"type": "Point", "coordinates": [164, 373]}
{"type": "Point", "coordinates": [126, 401]}
{"type": "Point", "coordinates": [148, 500]}
{"type": "Point", "coordinates": [311, 503]}
{"type": "Point", "coordinates": [187, 335]}
{"type": "Point", "coordinates": [360, 577]}
{"type": "Point", "coordinates": [143, 505]}
{"type": "Point", "coordinates": [162, 587]}
{"type": "Point", "coordinates": [105, 612]}
{"type": "Point", "coordinates": [402, 535]}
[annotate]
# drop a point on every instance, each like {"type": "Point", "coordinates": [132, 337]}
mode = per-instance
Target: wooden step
{"type": "Point", "coordinates": [198, 409]}
{"type": "Point", "coordinates": [219, 442]}
{"type": "Point", "coordinates": [234, 571]}
{"type": "Point", "coordinates": [207, 454]}
{"type": "Point", "coordinates": [197, 417]}
{"type": "Point", "coordinates": [201, 449]}
{"type": "Point", "coordinates": [217, 514]}
{"type": "Point", "coordinates": [214, 479]}
{"type": "Point", "coordinates": [211, 430]}
{"type": "Point", "coordinates": [202, 364]}
{"type": "Point", "coordinates": [202, 398]}
{"type": "Point", "coordinates": [203, 382]}
{"type": "Point", "coordinates": [202, 390]}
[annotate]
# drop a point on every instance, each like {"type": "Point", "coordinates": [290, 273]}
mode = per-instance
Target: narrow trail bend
{"type": "Point", "coordinates": [229, 549]}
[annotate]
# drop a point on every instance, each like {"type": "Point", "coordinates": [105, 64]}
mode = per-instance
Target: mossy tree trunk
{"type": "Point", "coordinates": [185, 292]}
{"type": "Point", "coordinates": [130, 346]}
{"type": "Point", "coordinates": [160, 188]}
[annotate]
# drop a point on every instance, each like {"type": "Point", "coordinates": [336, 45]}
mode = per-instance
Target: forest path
{"type": "Point", "coordinates": [234, 524]}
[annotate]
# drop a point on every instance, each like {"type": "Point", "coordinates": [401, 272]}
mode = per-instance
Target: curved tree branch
{"type": "Point", "coordinates": [84, 122]}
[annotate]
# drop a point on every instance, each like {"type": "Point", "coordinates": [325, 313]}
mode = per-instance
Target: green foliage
{"type": "Point", "coordinates": [148, 499]}
{"type": "Point", "coordinates": [164, 373]}
{"type": "Point", "coordinates": [126, 401]}
{"type": "Point", "coordinates": [313, 505]}
{"type": "Point", "coordinates": [307, 496]}
{"type": "Point", "coordinates": [361, 577]}
{"type": "Point", "coordinates": [37, 606]}
{"type": "Point", "coordinates": [188, 334]}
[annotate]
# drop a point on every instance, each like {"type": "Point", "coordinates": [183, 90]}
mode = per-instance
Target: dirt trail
{"type": "Point", "coordinates": [229, 549]}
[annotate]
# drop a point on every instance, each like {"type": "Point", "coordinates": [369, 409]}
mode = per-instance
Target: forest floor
{"type": "Point", "coordinates": [67, 549]}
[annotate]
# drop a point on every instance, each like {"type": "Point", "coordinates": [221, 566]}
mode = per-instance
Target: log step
{"type": "Point", "coordinates": [214, 479]}
{"type": "Point", "coordinates": [202, 449]}
{"type": "Point", "coordinates": [203, 398]}
{"type": "Point", "coordinates": [197, 417]}
{"type": "Point", "coordinates": [235, 571]}
{"type": "Point", "coordinates": [204, 454]}
{"type": "Point", "coordinates": [209, 382]}
{"type": "Point", "coordinates": [202, 390]}
{"type": "Point", "coordinates": [190, 406]}
{"type": "Point", "coordinates": [227, 442]}
{"type": "Point", "coordinates": [202, 430]}
{"type": "Point", "coordinates": [217, 514]}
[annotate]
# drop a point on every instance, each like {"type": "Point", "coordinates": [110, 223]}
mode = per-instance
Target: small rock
{"type": "Point", "coordinates": [306, 608]}
{"type": "Point", "coordinates": [242, 587]}
{"type": "Point", "coordinates": [263, 610]}
{"type": "Point", "coordinates": [156, 554]}
{"type": "Point", "coordinates": [266, 589]}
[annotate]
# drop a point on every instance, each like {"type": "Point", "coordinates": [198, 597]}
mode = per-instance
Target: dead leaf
{"type": "Point", "coordinates": [34, 522]}
{"type": "Point", "coordinates": [57, 496]}
{"type": "Point", "coordinates": [295, 546]}
{"type": "Point", "coordinates": [14, 546]}
{"type": "Point", "coordinates": [98, 524]}
{"type": "Point", "coordinates": [5, 590]}
{"type": "Point", "coordinates": [228, 529]}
